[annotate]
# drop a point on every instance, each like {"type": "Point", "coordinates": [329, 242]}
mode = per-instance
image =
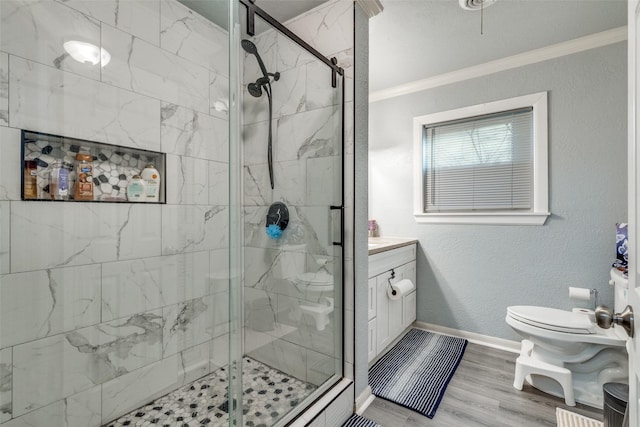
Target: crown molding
{"type": "Point", "coordinates": [557, 50]}
{"type": "Point", "coordinates": [370, 7]}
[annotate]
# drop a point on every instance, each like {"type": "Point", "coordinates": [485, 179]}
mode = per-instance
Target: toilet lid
{"type": "Point", "coordinates": [553, 319]}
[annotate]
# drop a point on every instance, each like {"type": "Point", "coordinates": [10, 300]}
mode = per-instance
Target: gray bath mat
{"type": "Point", "coordinates": [357, 421]}
{"type": "Point", "coordinates": [416, 371]}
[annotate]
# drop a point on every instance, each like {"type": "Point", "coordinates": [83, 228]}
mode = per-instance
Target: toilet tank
{"type": "Point", "coordinates": [620, 285]}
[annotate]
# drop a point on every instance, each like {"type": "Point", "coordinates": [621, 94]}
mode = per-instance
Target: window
{"type": "Point", "coordinates": [483, 164]}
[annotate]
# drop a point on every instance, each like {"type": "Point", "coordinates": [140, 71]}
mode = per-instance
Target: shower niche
{"type": "Point", "coordinates": [110, 169]}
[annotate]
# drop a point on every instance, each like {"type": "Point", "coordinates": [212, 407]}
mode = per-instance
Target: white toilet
{"type": "Point", "coordinates": [564, 353]}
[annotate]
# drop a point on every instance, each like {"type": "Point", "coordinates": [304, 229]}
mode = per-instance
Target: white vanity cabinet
{"type": "Point", "coordinates": [389, 318]}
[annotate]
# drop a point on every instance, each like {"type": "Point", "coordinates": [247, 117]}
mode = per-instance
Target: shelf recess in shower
{"type": "Point", "coordinates": [113, 166]}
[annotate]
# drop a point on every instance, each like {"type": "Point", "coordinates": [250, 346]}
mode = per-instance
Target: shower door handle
{"type": "Point", "coordinates": [341, 209]}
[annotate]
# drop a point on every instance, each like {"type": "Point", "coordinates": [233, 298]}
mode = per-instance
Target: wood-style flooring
{"type": "Point", "coordinates": [481, 393]}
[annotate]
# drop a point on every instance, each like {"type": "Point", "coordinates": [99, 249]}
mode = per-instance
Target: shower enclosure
{"type": "Point", "coordinates": [219, 304]}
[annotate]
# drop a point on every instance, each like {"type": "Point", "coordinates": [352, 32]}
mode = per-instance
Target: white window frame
{"type": "Point", "coordinates": [540, 210]}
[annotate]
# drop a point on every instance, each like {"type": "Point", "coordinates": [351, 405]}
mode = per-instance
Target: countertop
{"type": "Point", "coordinates": [382, 244]}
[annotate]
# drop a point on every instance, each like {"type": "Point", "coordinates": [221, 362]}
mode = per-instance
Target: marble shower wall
{"type": "Point", "coordinates": [105, 306]}
{"type": "Point", "coordinates": [307, 154]}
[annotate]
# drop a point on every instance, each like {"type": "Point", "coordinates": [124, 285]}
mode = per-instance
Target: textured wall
{"type": "Point", "coordinates": [469, 274]}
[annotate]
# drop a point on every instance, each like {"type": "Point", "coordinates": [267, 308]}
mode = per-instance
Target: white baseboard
{"type": "Point", "coordinates": [364, 400]}
{"type": "Point", "coordinates": [486, 340]}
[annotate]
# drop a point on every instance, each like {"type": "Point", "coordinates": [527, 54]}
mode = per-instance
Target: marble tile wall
{"type": "Point", "coordinates": [307, 152]}
{"type": "Point", "coordinates": [4, 89]}
{"type": "Point", "coordinates": [6, 382]}
{"type": "Point", "coordinates": [106, 306]}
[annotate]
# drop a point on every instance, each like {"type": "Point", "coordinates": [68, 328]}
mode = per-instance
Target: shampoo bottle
{"type": "Point", "coordinates": [30, 187]}
{"type": "Point", "coordinates": [84, 177]}
{"type": "Point", "coordinates": [59, 182]}
{"type": "Point", "coordinates": [136, 189]}
{"type": "Point", "coordinates": [151, 179]}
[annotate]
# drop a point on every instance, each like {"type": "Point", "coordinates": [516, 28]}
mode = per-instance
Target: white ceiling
{"type": "Point", "coordinates": [414, 39]}
{"type": "Point", "coordinates": [283, 10]}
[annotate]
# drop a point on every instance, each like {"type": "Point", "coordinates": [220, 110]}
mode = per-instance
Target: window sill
{"type": "Point", "coordinates": [507, 218]}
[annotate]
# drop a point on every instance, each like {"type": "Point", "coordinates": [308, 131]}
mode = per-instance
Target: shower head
{"type": "Point", "coordinates": [255, 89]}
{"type": "Point", "coordinates": [251, 48]}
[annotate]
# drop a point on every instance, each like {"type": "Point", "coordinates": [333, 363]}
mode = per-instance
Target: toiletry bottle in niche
{"type": "Point", "coordinates": [30, 189]}
{"type": "Point", "coordinates": [152, 183]}
{"type": "Point", "coordinates": [84, 177]}
{"type": "Point", "coordinates": [136, 189]}
{"type": "Point", "coordinates": [59, 180]}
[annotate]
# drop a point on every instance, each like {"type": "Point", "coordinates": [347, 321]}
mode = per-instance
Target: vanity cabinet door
{"type": "Point", "coordinates": [372, 299]}
{"type": "Point", "coordinates": [382, 312]}
{"type": "Point", "coordinates": [409, 309]}
{"type": "Point", "coordinates": [409, 271]}
{"type": "Point", "coordinates": [409, 301]}
{"type": "Point", "coordinates": [395, 317]}
{"type": "Point", "coordinates": [372, 350]}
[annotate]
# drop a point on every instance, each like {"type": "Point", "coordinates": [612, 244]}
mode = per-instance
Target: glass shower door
{"type": "Point", "coordinates": [292, 160]}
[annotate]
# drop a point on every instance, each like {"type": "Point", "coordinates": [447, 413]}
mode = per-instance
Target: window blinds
{"type": "Point", "coordinates": [482, 163]}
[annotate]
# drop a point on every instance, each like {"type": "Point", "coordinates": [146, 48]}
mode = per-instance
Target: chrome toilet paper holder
{"type": "Point", "coordinates": [594, 293]}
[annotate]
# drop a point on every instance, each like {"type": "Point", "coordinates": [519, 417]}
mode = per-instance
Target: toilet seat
{"type": "Point", "coordinates": [553, 319]}
{"type": "Point", "coordinates": [543, 322]}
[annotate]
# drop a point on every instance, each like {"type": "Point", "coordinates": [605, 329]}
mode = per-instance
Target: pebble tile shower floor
{"type": "Point", "coordinates": [268, 395]}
